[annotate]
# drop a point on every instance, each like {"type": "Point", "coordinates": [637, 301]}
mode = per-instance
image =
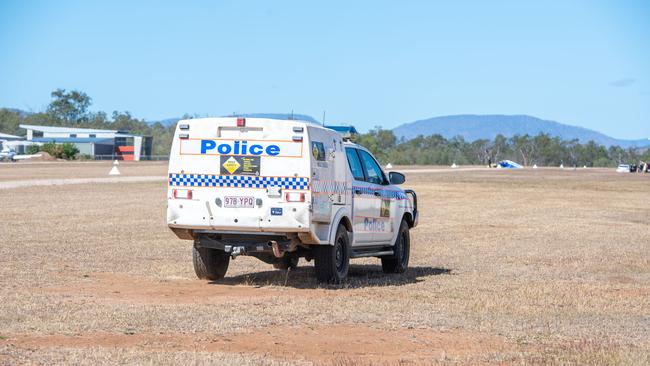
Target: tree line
{"type": "Point", "coordinates": [72, 109]}
{"type": "Point", "coordinates": [541, 150]}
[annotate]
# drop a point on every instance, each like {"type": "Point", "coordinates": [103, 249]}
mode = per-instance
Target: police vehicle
{"type": "Point", "coordinates": [282, 190]}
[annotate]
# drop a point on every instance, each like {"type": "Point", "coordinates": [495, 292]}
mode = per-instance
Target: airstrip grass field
{"type": "Point", "coordinates": [543, 266]}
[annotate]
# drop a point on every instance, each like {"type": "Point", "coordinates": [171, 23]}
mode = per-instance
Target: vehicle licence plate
{"type": "Point", "coordinates": [238, 201]}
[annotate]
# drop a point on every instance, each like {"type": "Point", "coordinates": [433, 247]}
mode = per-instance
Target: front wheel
{"type": "Point", "coordinates": [332, 262]}
{"type": "Point", "coordinates": [210, 264]}
{"type": "Point", "coordinates": [399, 261]}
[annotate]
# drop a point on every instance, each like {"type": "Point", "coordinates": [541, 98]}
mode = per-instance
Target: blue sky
{"type": "Point", "coordinates": [376, 63]}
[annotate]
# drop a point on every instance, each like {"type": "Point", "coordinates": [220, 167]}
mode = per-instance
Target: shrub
{"type": "Point", "coordinates": [69, 151]}
{"type": "Point", "coordinates": [53, 149]}
{"type": "Point", "coordinates": [33, 149]}
{"type": "Point", "coordinates": [63, 151]}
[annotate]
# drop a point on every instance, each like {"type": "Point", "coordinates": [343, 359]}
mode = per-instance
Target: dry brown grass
{"type": "Point", "coordinates": [534, 267]}
{"type": "Point", "coordinates": [25, 170]}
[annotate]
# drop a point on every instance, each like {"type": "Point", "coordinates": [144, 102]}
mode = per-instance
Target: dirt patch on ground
{"type": "Point", "coordinates": [121, 288]}
{"type": "Point", "coordinates": [42, 156]}
{"type": "Point", "coordinates": [319, 344]}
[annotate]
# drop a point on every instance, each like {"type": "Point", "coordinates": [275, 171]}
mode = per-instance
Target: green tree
{"type": "Point", "coordinates": [524, 146]}
{"type": "Point", "coordinates": [70, 107]}
{"type": "Point", "coordinates": [9, 121]}
{"type": "Point", "coordinates": [379, 142]}
{"type": "Point", "coordinates": [500, 148]}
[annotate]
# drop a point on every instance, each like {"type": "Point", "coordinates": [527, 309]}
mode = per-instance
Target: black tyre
{"type": "Point", "coordinates": [210, 264]}
{"type": "Point", "coordinates": [399, 261]}
{"type": "Point", "coordinates": [332, 262]}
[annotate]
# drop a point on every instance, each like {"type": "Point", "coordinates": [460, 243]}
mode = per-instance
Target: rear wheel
{"type": "Point", "coordinates": [399, 261]}
{"type": "Point", "coordinates": [210, 264]}
{"type": "Point", "coordinates": [332, 262]}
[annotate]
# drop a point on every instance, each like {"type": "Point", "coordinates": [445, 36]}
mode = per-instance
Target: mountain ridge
{"type": "Point", "coordinates": [473, 127]}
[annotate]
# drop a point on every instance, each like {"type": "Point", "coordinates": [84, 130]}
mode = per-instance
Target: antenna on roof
{"type": "Point", "coordinates": [324, 118]}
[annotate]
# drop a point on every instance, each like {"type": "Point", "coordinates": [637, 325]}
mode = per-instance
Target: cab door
{"type": "Point", "coordinates": [363, 200]}
{"type": "Point", "coordinates": [380, 220]}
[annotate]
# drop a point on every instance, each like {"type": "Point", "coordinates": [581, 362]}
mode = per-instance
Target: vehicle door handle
{"type": "Point", "coordinates": [377, 193]}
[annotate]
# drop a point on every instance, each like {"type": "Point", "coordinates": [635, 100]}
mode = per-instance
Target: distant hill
{"type": "Point", "coordinates": [473, 127]}
{"type": "Point", "coordinates": [19, 111]}
{"type": "Point", "coordinates": [167, 122]}
{"type": "Point", "coordinates": [286, 116]}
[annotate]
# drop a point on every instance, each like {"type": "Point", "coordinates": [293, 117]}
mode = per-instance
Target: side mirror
{"type": "Point", "coordinates": [396, 178]}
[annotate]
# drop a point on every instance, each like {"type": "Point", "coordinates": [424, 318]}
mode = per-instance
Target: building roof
{"type": "Point", "coordinates": [94, 140]}
{"type": "Point", "coordinates": [57, 129]}
{"type": "Point", "coordinates": [5, 136]}
{"type": "Point", "coordinates": [75, 130]}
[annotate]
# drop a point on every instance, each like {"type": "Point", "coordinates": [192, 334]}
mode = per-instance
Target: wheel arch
{"type": "Point", "coordinates": [346, 222]}
{"type": "Point", "coordinates": [342, 217]}
{"type": "Point", "coordinates": [409, 219]}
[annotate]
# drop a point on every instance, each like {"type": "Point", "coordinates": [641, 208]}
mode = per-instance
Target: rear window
{"type": "Point", "coordinates": [355, 163]}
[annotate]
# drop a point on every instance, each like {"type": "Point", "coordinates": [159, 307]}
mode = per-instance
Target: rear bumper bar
{"type": "Point", "coordinates": [243, 246]}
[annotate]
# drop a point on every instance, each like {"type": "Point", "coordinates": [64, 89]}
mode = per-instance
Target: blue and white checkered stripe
{"type": "Point", "coordinates": [385, 193]}
{"type": "Point", "coordinates": [394, 194]}
{"type": "Point", "coordinates": [237, 181]}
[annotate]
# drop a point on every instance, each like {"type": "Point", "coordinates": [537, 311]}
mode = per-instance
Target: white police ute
{"type": "Point", "coordinates": [282, 190]}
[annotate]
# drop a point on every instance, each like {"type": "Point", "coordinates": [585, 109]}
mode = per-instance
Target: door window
{"type": "Point", "coordinates": [355, 164]}
{"type": "Point", "coordinates": [371, 168]}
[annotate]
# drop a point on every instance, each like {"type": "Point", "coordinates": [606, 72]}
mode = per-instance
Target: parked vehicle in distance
{"type": "Point", "coordinates": [282, 190]}
{"type": "Point", "coordinates": [623, 168]}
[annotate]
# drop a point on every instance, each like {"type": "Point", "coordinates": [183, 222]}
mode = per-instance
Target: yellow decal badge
{"type": "Point", "coordinates": [231, 165]}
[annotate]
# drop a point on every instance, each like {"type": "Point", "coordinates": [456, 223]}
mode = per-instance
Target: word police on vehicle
{"type": "Point", "coordinates": [239, 148]}
{"type": "Point", "coordinates": [284, 190]}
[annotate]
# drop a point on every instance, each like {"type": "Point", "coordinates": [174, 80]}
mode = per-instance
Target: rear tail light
{"type": "Point", "coordinates": [294, 197]}
{"type": "Point", "coordinates": [183, 194]}
{"type": "Point", "coordinates": [241, 122]}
